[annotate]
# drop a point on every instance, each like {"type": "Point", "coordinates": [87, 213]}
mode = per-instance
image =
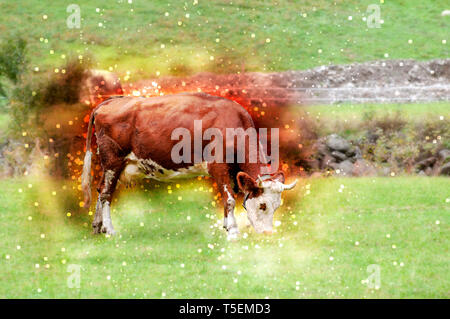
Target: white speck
{"type": "Point", "coordinates": [224, 267]}
{"type": "Point", "coordinates": [402, 264]}
{"type": "Point", "coordinates": [182, 265]}
{"type": "Point", "coordinates": [393, 246]}
{"type": "Point", "coordinates": [388, 235]}
{"type": "Point", "coordinates": [410, 41]}
{"type": "Point", "coordinates": [350, 18]}
{"type": "Point", "coordinates": [357, 243]}
{"type": "Point", "coordinates": [444, 41]}
{"type": "Point", "coordinates": [277, 223]}
{"type": "Point", "coordinates": [438, 222]}
{"type": "Point", "coordinates": [108, 277]}
{"type": "Point", "coordinates": [331, 258]}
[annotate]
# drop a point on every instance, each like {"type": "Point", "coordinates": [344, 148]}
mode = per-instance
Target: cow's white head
{"type": "Point", "coordinates": [262, 198]}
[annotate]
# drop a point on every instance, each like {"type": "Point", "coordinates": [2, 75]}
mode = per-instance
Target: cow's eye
{"type": "Point", "coordinates": [262, 206]}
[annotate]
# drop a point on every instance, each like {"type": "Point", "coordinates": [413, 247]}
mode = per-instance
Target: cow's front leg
{"type": "Point", "coordinates": [107, 226]}
{"type": "Point", "coordinates": [229, 221]}
{"type": "Point", "coordinates": [97, 223]}
{"type": "Point", "coordinates": [220, 173]}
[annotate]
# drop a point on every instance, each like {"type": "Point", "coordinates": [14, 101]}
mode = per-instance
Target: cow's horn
{"type": "Point", "coordinates": [259, 181]}
{"type": "Point", "coordinates": [289, 186]}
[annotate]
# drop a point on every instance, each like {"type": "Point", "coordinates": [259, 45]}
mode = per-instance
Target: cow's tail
{"type": "Point", "coordinates": [86, 175]}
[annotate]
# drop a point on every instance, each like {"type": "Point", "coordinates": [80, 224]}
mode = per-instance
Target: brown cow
{"type": "Point", "coordinates": [135, 138]}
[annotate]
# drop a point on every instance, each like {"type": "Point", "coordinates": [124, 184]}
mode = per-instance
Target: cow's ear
{"type": "Point", "coordinates": [279, 176]}
{"type": "Point", "coordinates": [246, 183]}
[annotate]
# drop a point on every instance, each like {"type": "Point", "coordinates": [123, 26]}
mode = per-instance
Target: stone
{"type": "Point", "coordinates": [327, 161]}
{"type": "Point", "coordinates": [358, 153]}
{"type": "Point", "coordinates": [444, 154]}
{"type": "Point", "coordinates": [423, 164]}
{"type": "Point", "coordinates": [428, 171]}
{"type": "Point", "coordinates": [339, 156]}
{"type": "Point", "coordinates": [337, 143]}
{"type": "Point", "coordinates": [345, 167]}
{"type": "Point", "coordinates": [386, 171]}
{"type": "Point", "coordinates": [322, 149]}
{"type": "Point", "coordinates": [363, 167]}
{"type": "Point", "coordinates": [445, 170]}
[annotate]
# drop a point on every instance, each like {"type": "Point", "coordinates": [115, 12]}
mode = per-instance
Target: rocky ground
{"type": "Point", "coordinates": [338, 156]}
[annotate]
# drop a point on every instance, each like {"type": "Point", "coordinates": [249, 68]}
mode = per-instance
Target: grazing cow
{"type": "Point", "coordinates": [135, 139]}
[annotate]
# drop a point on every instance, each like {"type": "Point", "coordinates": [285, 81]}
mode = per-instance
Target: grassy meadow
{"type": "Point", "coordinates": [171, 244]}
{"type": "Point", "coordinates": [148, 38]}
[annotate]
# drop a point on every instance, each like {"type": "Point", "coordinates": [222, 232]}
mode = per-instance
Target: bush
{"type": "Point", "coordinates": [65, 86]}
{"type": "Point", "coordinates": [393, 141]}
{"type": "Point", "coordinates": [13, 59]}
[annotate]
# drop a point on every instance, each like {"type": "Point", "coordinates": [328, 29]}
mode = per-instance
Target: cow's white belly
{"type": "Point", "coordinates": [138, 168]}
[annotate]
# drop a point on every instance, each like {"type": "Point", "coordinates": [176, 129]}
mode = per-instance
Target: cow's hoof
{"type": "Point", "coordinates": [108, 231]}
{"type": "Point", "coordinates": [233, 234]}
{"type": "Point", "coordinates": [97, 229]}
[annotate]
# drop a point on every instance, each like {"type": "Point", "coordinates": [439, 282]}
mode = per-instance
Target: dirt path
{"type": "Point", "coordinates": [385, 81]}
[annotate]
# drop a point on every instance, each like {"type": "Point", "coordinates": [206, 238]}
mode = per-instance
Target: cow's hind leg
{"type": "Point", "coordinates": [113, 164]}
{"type": "Point", "coordinates": [97, 222]}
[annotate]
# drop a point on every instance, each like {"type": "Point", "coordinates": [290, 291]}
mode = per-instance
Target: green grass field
{"type": "Point", "coordinates": [173, 37]}
{"type": "Point", "coordinates": [172, 244]}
